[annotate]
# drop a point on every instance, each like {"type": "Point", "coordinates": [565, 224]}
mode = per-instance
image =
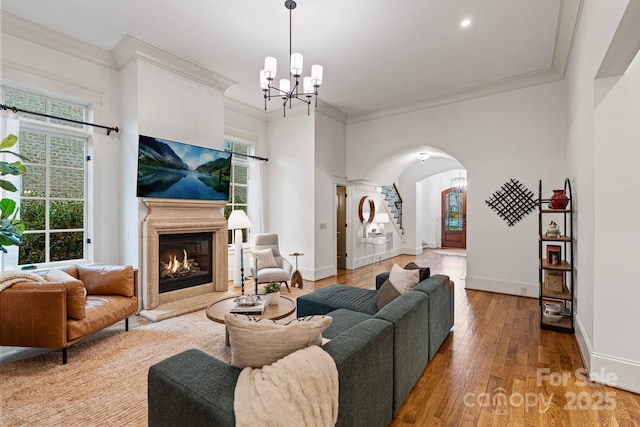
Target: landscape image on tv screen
{"type": "Point", "coordinates": [168, 169]}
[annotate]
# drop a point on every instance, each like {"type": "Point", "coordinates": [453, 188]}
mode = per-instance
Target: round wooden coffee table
{"type": "Point", "coordinates": [217, 310]}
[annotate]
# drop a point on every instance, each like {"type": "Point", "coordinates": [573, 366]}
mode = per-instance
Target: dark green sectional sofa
{"type": "Point", "coordinates": [421, 319]}
{"type": "Point", "coordinates": [379, 356]}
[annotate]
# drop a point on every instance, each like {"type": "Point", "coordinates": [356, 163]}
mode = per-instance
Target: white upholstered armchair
{"type": "Point", "coordinates": [272, 266]}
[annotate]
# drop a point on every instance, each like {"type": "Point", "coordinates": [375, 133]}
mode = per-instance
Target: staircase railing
{"type": "Point", "coordinates": [394, 202]}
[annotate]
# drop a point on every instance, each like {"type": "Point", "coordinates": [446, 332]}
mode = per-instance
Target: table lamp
{"type": "Point", "coordinates": [238, 221]}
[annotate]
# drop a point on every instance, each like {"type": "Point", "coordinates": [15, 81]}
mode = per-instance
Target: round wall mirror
{"type": "Point", "coordinates": [366, 210]}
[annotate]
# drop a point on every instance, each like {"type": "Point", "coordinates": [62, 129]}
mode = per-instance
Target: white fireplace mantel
{"type": "Point", "coordinates": [174, 216]}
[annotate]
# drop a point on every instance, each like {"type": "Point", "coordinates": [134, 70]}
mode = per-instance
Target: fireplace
{"type": "Point", "coordinates": [196, 227]}
{"type": "Point", "coordinates": [185, 261]}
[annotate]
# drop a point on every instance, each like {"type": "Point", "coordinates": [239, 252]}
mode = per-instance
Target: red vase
{"type": "Point", "coordinates": [559, 200]}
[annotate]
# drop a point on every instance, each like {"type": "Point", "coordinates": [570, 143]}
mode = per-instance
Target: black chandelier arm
{"type": "Point", "coordinates": [16, 109]}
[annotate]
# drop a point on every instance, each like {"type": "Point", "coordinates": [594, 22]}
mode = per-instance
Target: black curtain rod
{"type": "Point", "coordinates": [15, 110]}
{"type": "Point", "coordinates": [266, 159]}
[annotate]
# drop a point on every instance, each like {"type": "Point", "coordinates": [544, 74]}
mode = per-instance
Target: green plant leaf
{"type": "Point", "coordinates": [6, 185]}
{"type": "Point", "coordinates": [9, 141]}
{"type": "Point", "coordinates": [7, 208]}
{"type": "Point", "coordinates": [15, 154]}
{"type": "Point", "coordinates": [8, 169]}
{"type": "Point", "coordinates": [19, 167]}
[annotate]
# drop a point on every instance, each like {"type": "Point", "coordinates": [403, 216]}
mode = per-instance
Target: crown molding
{"type": "Point", "coordinates": [332, 112]}
{"type": "Point", "coordinates": [52, 39]}
{"type": "Point", "coordinates": [499, 86]}
{"type": "Point", "coordinates": [568, 18]}
{"type": "Point", "coordinates": [245, 109]}
{"type": "Point", "coordinates": [625, 44]}
{"type": "Point", "coordinates": [130, 48]}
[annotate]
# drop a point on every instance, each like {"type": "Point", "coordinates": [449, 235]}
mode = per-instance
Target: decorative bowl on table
{"type": "Point", "coordinates": [246, 300]}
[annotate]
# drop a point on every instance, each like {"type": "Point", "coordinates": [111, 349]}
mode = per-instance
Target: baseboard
{"type": "Point", "coordinates": [502, 287]}
{"type": "Point", "coordinates": [412, 251]}
{"type": "Point", "coordinates": [606, 369]}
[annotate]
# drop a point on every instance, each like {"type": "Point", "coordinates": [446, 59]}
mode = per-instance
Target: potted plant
{"type": "Point", "coordinates": [272, 291]}
{"type": "Point", "coordinates": [11, 228]}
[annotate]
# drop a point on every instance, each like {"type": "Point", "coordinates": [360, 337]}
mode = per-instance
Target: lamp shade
{"type": "Point", "coordinates": [285, 85]}
{"type": "Point", "coordinates": [307, 85]}
{"type": "Point", "coordinates": [238, 220]}
{"type": "Point", "coordinates": [316, 74]}
{"type": "Point", "coordinates": [264, 83]}
{"type": "Point", "coordinates": [296, 64]}
{"type": "Point", "coordinates": [270, 66]}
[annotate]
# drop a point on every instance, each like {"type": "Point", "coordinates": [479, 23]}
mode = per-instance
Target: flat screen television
{"type": "Point", "coordinates": [173, 170]}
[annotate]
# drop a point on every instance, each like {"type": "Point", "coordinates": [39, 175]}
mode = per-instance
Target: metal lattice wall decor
{"type": "Point", "coordinates": [512, 201]}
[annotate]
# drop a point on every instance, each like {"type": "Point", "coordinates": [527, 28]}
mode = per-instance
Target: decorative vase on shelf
{"type": "Point", "coordinates": [559, 200]}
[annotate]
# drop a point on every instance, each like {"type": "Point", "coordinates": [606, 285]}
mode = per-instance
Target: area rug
{"type": "Point", "coordinates": [105, 381]}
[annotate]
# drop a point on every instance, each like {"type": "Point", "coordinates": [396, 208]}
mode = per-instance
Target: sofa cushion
{"type": "Point", "coordinates": [342, 320]}
{"type": "Point", "coordinates": [75, 294]}
{"type": "Point", "coordinates": [258, 342]}
{"type": "Point", "coordinates": [265, 258]}
{"type": "Point", "coordinates": [403, 280]}
{"type": "Point", "coordinates": [386, 294]}
{"type": "Point", "coordinates": [337, 296]}
{"type": "Point", "coordinates": [55, 275]}
{"type": "Point", "coordinates": [425, 272]}
{"type": "Point", "coordinates": [101, 311]}
{"type": "Point", "coordinates": [107, 280]}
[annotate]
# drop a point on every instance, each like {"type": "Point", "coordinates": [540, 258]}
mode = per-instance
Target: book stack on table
{"type": "Point", "coordinates": [256, 308]}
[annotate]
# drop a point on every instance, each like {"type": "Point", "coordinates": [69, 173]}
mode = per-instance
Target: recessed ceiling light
{"type": "Point", "coordinates": [465, 23]}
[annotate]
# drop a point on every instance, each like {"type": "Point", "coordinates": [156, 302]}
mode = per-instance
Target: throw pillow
{"type": "Point", "coordinates": [403, 280]}
{"type": "Point", "coordinates": [107, 280]}
{"type": "Point", "coordinates": [55, 275]}
{"type": "Point", "coordinates": [425, 272]}
{"type": "Point", "coordinates": [265, 258]}
{"type": "Point", "coordinates": [259, 342]}
{"type": "Point", "coordinates": [386, 294]}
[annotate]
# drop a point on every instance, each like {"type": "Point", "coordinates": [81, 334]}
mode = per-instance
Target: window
{"type": "Point", "coordinates": [238, 193]}
{"type": "Point", "coordinates": [53, 198]}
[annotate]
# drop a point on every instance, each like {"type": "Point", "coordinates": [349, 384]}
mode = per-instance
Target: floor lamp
{"type": "Point", "coordinates": [238, 221]}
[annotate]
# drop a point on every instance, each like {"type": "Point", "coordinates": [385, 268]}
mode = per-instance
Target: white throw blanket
{"type": "Point", "coordinates": [8, 278]}
{"type": "Point", "coordinates": [300, 389]}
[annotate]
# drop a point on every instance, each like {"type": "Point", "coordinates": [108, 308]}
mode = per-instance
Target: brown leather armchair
{"type": "Point", "coordinates": [57, 314]}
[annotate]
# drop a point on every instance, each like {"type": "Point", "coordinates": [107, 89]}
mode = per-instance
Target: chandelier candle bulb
{"type": "Point", "coordinates": [307, 86]}
{"type": "Point", "coordinates": [285, 85]}
{"type": "Point", "coordinates": [264, 83]}
{"type": "Point", "coordinates": [270, 67]}
{"type": "Point", "coordinates": [316, 74]}
{"type": "Point", "coordinates": [296, 64]}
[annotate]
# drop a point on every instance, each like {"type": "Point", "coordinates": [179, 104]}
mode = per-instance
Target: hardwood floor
{"type": "Point", "coordinates": [497, 368]}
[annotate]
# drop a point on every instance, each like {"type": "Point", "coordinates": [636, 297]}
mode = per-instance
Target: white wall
{"type": "Point", "coordinates": [602, 135]}
{"type": "Point", "coordinates": [291, 172]}
{"type": "Point", "coordinates": [329, 164]}
{"type": "Point", "coordinates": [519, 134]}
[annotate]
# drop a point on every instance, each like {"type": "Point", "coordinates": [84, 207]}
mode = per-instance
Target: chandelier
{"type": "Point", "coordinates": [459, 183]}
{"type": "Point", "coordinates": [289, 90]}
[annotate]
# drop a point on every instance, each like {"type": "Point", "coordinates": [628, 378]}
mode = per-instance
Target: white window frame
{"type": "Point", "coordinates": [51, 129]}
{"type": "Point", "coordinates": [235, 161]}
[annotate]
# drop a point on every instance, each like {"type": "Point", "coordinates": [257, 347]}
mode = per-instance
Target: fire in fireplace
{"type": "Point", "coordinates": [185, 260]}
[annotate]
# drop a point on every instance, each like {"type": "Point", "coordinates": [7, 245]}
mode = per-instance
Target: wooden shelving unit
{"type": "Point", "coordinates": [566, 297]}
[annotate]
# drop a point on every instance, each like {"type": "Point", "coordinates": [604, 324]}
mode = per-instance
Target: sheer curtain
{"type": "Point", "coordinates": [256, 202]}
